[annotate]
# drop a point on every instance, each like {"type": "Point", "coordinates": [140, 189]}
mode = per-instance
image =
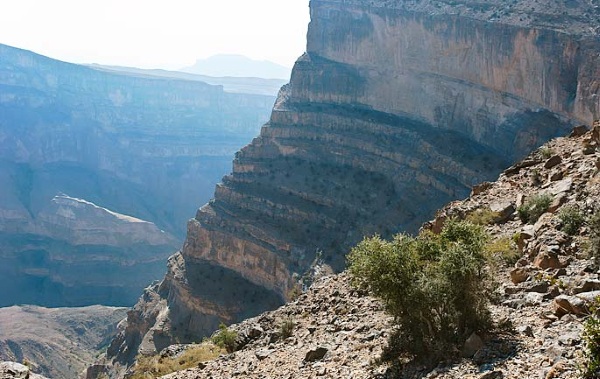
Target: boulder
{"type": "Point", "coordinates": [578, 131]}
{"type": "Point", "coordinates": [315, 354]}
{"type": "Point", "coordinates": [472, 345]}
{"type": "Point", "coordinates": [12, 370]}
{"type": "Point", "coordinates": [553, 161]}
{"type": "Point", "coordinates": [519, 275]}
{"type": "Point", "coordinates": [546, 259]}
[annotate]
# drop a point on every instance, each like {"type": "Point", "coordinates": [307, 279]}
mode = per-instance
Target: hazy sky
{"type": "Point", "coordinates": [166, 34]}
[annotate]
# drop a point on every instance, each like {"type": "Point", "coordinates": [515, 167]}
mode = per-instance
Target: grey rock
{"type": "Point", "coordinates": [553, 161]}
{"type": "Point", "coordinates": [587, 286]}
{"type": "Point", "coordinates": [519, 275]}
{"type": "Point", "coordinates": [525, 330]}
{"type": "Point", "coordinates": [316, 354]}
{"type": "Point", "coordinates": [263, 354]}
{"type": "Point", "coordinates": [472, 345]}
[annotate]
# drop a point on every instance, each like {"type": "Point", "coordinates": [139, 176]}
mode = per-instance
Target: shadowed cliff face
{"type": "Point", "coordinates": [148, 147]}
{"type": "Point", "coordinates": [390, 114]}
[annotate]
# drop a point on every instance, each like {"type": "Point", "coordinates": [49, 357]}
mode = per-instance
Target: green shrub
{"type": "Point", "coordinates": [286, 328]}
{"type": "Point", "coordinates": [503, 249]}
{"type": "Point", "coordinates": [594, 225]}
{"type": "Point", "coordinates": [435, 286]}
{"type": "Point", "coordinates": [591, 337]}
{"type": "Point", "coordinates": [572, 219]}
{"type": "Point", "coordinates": [546, 152]}
{"type": "Point", "coordinates": [225, 338]}
{"type": "Point", "coordinates": [534, 207]}
{"type": "Point", "coordinates": [483, 216]}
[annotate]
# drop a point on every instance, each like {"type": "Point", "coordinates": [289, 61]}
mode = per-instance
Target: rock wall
{"type": "Point", "coordinates": [395, 109]}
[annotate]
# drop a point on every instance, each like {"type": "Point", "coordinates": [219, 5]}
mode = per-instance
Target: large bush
{"type": "Point", "coordinates": [591, 337]}
{"type": "Point", "coordinates": [594, 226]}
{"type": "Point", "coordinates": [434, 285]}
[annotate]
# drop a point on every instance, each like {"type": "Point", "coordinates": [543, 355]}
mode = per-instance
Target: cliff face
{"type": "Point", "coordinates": [149, 147]}
{"type": "Point", "coordinates": [395, 109]}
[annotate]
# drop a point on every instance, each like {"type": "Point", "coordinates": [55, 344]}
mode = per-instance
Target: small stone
{"type": "Point", "coordinates": [492, 375]}
{"type": "Point", "coordinates": [557, 175]}
{"type": "Point", "coordinates": [587, 286]}
{"type": "Point", "coordinates": [480, 188]}
{"type": "Point", "coordinates": [263, 354]}
{"type": "Point", "coordinates": [525, 330]}
{"type": "Point", "coordinates": [519, 275]}
{"type": "Point", "coordinates": [473, 344]}
{"type": "Point", "coordinates": [569, 339]}
{"type": "Point", "coordinates": [546, 260]}
{"type": "Point", "coordinates": [562, 186]}
{"type": "Point", "coordinates": [564, 304]}
{"type": "Point", "coordinates": [504, 209]}
{"type": "Point", "coordinates": [553, 161]}
{"type": "Point", "coordinates": [538, 287]}
{"type": "Point", "coordinates": [578, 131]}
{"type": "Point", "coordinates": [315, 354]}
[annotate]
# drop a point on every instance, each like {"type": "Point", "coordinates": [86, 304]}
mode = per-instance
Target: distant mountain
{"type": "Point", "coordinates": [238, 66]}
{"type": "Point", "coordinates": [231, 84]}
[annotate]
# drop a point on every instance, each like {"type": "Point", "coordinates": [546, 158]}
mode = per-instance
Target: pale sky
{"type": "Point", "coordinates": [168, 34]}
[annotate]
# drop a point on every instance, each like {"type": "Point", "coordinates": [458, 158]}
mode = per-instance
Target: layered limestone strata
{"type": "Point", "coordinates": [395, 109]}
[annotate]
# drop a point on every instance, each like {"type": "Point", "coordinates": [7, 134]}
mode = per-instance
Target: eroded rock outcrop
{"type": "Point", "coordinates": [395, 109]}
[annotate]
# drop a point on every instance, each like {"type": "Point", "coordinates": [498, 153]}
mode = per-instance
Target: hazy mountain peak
{"type": "Point", "coordinates": [238, 66]}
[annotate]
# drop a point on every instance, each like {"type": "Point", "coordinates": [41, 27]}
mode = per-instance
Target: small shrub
{"type": "Point", "coordinates": [594, 225]}
{"type": "Point", "coordinates": [516, 237]}
{"type": "Point", "coordinates": [225, 338]}
{"type": "Point", "coordinates": [591, 337]}
{"type": "Point", "coordinates": [504, 250]}
{"type": "Point", "coordinates": [572, 219]}
{"type": "Point", "coordinates": [483, 216]}
{"type": "Point", "coordinates": [546, 152]}
{"type": "Point", "coordinates": [435, 286]}
{"type": "Point", "coordinates": [286, 328]}
{"type": "Point", "coordinates": [534, 207]}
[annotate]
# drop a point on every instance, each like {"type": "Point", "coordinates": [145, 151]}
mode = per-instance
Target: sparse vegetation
{"type": "Point", "coordinates": [225, 338]}
{"type": "Point", "coordinates": [572, 219]}
{"type": "Point", "coordinates": [150, 367]}
{"type": "Point", "coordinates": [546, 152]}
{"type": "Point", "coordinates": [483, 216]}
{"type": "Point", "coordinates": [435, 286]}
{"type": "Point", "coordinates": [504, 250]}
{"type": "Point", "coordinates": [591, 337]}
{"type": "Point", "coordinates": [534, 207]}
{"type": "Point", "coordinates": [286, 328]}
{"type": "Point", "coordinates": [594, 225]}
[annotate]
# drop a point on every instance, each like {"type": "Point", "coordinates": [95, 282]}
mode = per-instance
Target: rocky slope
{"type": "Point", "coordinates": [395, 109]}
{"type": "Point", "coordinates": [339, 332]}
{"type": "Point", "coordinates": [149, 147]}
{"type": "Point", "coordinates": [58, 342]}
{"type": "Point", "coordinates": [14, 370]}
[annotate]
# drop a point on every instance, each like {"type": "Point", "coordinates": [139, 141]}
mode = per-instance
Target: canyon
{"type": "Point", "coordinates": [100, 171]}
{"type": "Point", "coordinates": [396, 108]}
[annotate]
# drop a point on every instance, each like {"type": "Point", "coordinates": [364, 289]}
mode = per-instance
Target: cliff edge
{"type": "Point", "coordinates": [395, 109]}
